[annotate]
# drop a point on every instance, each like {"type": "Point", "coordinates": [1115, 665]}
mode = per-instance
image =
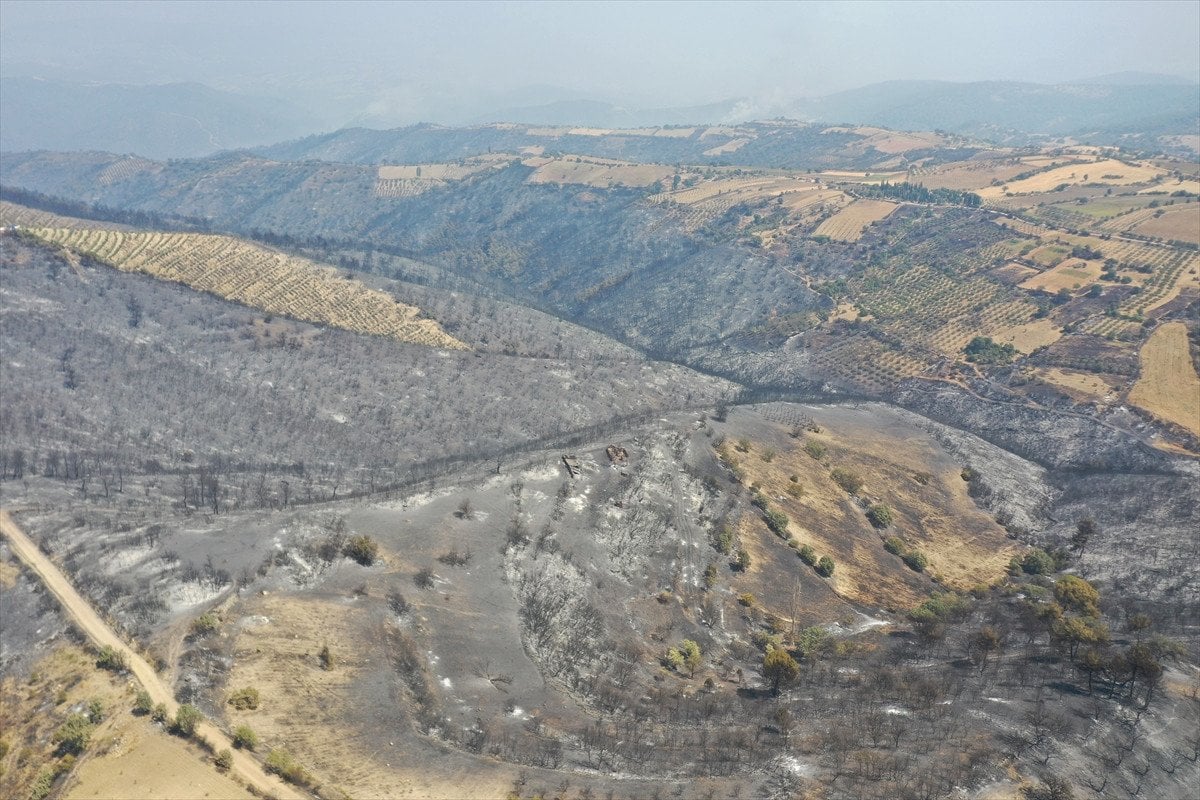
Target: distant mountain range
{"type": "Point", "coordinates": [163, 121]}
{"type": "Point", "coordinates": [188, 119]}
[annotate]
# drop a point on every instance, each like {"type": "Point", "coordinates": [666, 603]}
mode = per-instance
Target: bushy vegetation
{"type": "Point", "coordinates": [361, 548]}
{"type": "Point", "coordinates": [916, 193]}
{"type": "Point", "coordinates": [281, 762]}
{"type": "Point", "coordinates": [916, 560]}
{"type": "Point", "coordinates": [1038, 562]}
{"type": "Point", "coordinates": [777, 521]}
{"type": "Point", "coordinates": [111, 659]}
{"type": "Point", "coordinates": [824, 566]}
{"type": "Point", "coordinates": [684, 657]}
{"type": "Point", "coordinates": [779, 668]}
{"type": "Point", "coordinates": [245, 699]}
{"type": "Point", "coordinates": [223, 760]}
{"type": "Point", "coordinates": [187, 719]}
{"type": "Point", "coordinates": [74, 734]}
{"type": "Point", "coordinates": [206, 623]}
{"type": "Point", "coordinates": [880, 516]}
{"type": "Point", "coordinates": [143, 703]}
{"type": "Point", "coordinates": [848, 479]}
{"type": "Point", "coordinates": [982, 350]}
{"type": "Point", "coordinates": [244, 738]}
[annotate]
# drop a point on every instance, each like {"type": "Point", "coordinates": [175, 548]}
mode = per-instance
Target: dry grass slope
{"type": "Point", "coordinates": [1169, 387]}
{"type": "Point", "coordinates": [255, 276]}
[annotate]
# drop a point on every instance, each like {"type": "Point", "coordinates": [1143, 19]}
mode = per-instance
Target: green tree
{"type": "Point", "coordinates": [779, 668]}
{"type": "Point", "coordinates": [74, 734]}
{"type": "Point", "coordinates": [244, 738]}
{"type": "Point", "coordinates": [143, 704]}
{"type": "Point", "coordinates": [1078, 595]}
{"type": "Point", "coordinates": [824, 566]}
{"type": "Point", "coordinates": [111, 659]}
{"type": "Point", "coordinates": [187, 718]}
{"type": "Point", "coordinates": [880, 516]}
{"type": "Point", "coordinates": [691, 656]}
{"type": "Point", "coordinates": [1037, 562]}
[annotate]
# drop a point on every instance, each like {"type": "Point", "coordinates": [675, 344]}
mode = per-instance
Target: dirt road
{"type": "Point", "coordinates": [100, 634]}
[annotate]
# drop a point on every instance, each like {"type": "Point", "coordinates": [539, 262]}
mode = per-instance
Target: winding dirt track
{"type": "Point", "coordinates": [100, 634]}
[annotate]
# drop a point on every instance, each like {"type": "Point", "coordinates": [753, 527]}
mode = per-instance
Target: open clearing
{"type": "Point", "coordinates": [147, 764]}
{"type": "Point", "coordinates": [903, 469]}
{"type": "Point", "coordinates": [1179, 224]}
{"type": "Point", "coordinates": [257, 277]}
{"type": "Point", "coordinates": [1071, 274]}
{"type": "Point", "coordinates": [1168, 386]}
{"type": "Point", "coordinates": [848, 224]}
{"type": "Point", "coordinates": [1108, 172]}
{"type": "Point", "coordinates": [601, 173]}
{"type": "Point", "coordinates": [1081, 386]}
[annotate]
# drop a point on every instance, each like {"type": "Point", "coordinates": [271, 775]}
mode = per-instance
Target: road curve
{"type": "Point", "coordinates": [100, 634]}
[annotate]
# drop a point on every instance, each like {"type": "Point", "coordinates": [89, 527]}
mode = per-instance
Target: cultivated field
{"type": "Point", "coordinates": [408, 180]}
{"type": "Point", "coordinates": [12, 214]}
{"type": "Point", "coordinates": [1177, 224]}
{"type": "Point", "coordinates": [1168, 386]}
{"type": "Point", "coordinates": [257, 277]}
{"type": "Point", "coordinates": [1071, 274]}
{"type": "Point", "coordinates": [849, 224]}
{"type": "Point", "coordinates": [602, 173]}
{"type": "Point", "coordinates": [1108, 172]}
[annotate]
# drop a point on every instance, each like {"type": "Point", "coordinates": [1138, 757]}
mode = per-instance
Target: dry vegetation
{"type": "Point", "coordinates": [1168, 386]}
{"type": "Point", "coordinates": [409, 180]}
{"type": "Point", "coordinates": [602, 173]}
{"type": "Point", "coordinates": [257, 277]}
{"type": "Point", "coordinates": [849, 224]}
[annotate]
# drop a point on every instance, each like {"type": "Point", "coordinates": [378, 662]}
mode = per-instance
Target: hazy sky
{"type": "Point", "coordinates": [434, 55]}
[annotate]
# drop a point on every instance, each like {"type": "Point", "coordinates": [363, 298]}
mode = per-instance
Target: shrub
{"type": "Point", "coordinates": [424, 578]}
{"type": "Point", "coordinates": [326, 658]}
{"type": "Point", "coordinates": [111, 659]}
{"type": "Point", "coordinates": [224, 760]}
{"type": "Point", "coordinates": [710, 576]}
{"type": "Point", "coordinates": [880, 516]}
{"type": "Point", "coordinates": [795, 490]}
{"type": "Point", "coordinates": [280, 762]}
{"type": "Point", "coordinates": [724, 540]}
{"type": "Point", "coordinates": [42, 784]}
{"type": "Point", "coordinates": [742, 562]}
{"type": "Point", "coordinates": [743, 445]}
{"type": "Point", "coordinates": [1037, 562]}
{"type": "Point", "coordinates": [244, 699]}
{"type": "Point", "coordinates": [807, 554]}
{"type": "Point", "coordinates": [746, 599]}
{"type": "Point", "coordinates": [825, 566]}
{"type": "Point", "coordinates": [767, 455]}
{"type": "Point", "coordinates": [815, 449]}
{"type": "Point", "coordinates": [205, 624]}
{"type": "Point", "coordinates": [894, 545]}
{"type": "Point", "coordinates": [916, 560]}
{"type": "Point", "coordinates": [848, 479]}
{"type": "Point", "coordinates": [74, 734]}
{"type": "Point", "coordinates": [95, 710]}
{"type": "Point", "coordinates": [244, 738]}
{"type": "Point", "coordinates": [362, 549]}
{"type": "Point", "coordinates": [186, 720]}
{"type": "Point", "coordinates": [777, 521]}
{"type": "Point", "coordinates": [160, 713]}
{"type": "Point", "coordinates": [143, 704]}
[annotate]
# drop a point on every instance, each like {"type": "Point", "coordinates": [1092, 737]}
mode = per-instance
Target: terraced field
{"type": "Point", "coordinates": [849, 224]}
{"type": "Point", "coordinates": [12, 214]}
{"type": "Point", "coordinates": [254, 276]}
{"type": "Point", "coordinates": [408, 180]}
{"type": "Point", "coordinates": [601, 173]}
